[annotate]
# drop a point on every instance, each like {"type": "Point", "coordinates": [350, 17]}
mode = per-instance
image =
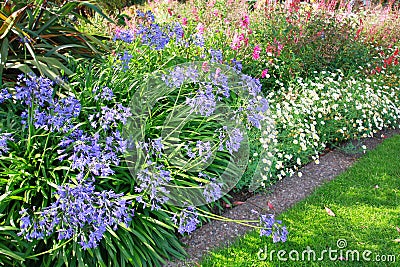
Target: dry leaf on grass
{"type": "Point", "coordinates": [270, 205]}
{"type": "Point", "coordinates": [330, 212]}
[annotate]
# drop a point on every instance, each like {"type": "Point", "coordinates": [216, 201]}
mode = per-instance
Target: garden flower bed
{"type": "Point", "coordinates": [114, 143]}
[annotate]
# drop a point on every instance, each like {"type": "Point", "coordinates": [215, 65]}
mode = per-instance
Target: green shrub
{"type": "Point", "coordinates": [40, 36]}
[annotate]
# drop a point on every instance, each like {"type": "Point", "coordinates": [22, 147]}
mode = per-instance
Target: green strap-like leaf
{"type": "Point", "coordinates": [11, 254]}
{"type": "Point", "coordinates": [10, 21]}
{"type": "Point", "coordinates": [3, 57]}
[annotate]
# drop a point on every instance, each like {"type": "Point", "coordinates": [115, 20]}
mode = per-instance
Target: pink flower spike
{"type": "Point", "coordinates": [256, 52]}
{"type": "Point", "coordinates": [245, 21]}
{"type": "Point", "coordinates": [264, 73]}
{"type": "Point", "coordinates": [216, 12]}
{"type": "Point", "coordinates": [200, 28]}
{"type": "Point", "coordinates": [184, 21]}
{"type": "Point", "coordinates": [211, 3]}
{"type": "Point", "coordinates": [235, 45]}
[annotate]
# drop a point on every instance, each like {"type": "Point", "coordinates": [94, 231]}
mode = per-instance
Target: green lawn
{"type": "Point", "coordinates": [366, 202]}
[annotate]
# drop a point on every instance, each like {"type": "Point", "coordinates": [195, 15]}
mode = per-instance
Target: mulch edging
{"type": "Point", "coordinates": [283, 195]}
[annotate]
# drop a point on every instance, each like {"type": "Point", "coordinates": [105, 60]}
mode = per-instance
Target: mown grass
{"type": "Point", "coordinates": [366, 202]}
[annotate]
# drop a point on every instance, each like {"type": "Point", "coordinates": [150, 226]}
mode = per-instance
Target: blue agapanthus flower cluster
{"type": "Point", "coordinates": [198, 39]}
{"type": "Point", "coordinates": [252, 85]}
{"type": "Point", "coordinates": [105, 93]}
{"type": "Point", "coordinates": [256, 111]}
{"type": "Point", "coordinates": [220, 80]}
{"type": "Point", "coordinates": [79, 212]}
{"type": "Point", "coordinates": [126, 35]}
{"type": "Point", "coordinates": [48, 112]}
{"type": "Point", "coordinates": [188, 220]}
{"type": "Point", "coordinates": [216, 55]}
{"type": "Point", "coordinates": [273, 227]}
{"type": "Point", "coordinates": [148, 15]}
{"type": "Point", "coordinates": [4, 138]}
{"type": "Point", "coordinates": [230, 139]}
{"type": "Point", "coordinates": [204, 102]}
{"type": "Point", "coordinates": [34, 90]}
{"type": "Point", "coordinates": [237, 64]}
{"type": "Point", "coordinates": [212, 190]}
{"type": "Point", "coordinates": [4, 95]}
{"type": "Point", "coordinates": [152, 179]}
{"type": "Point", "coordinates": [151, 182]}
{"type": "Point", "coordinates": [93, 152]}
{"type": "Point", "coordinates": [156, 36]}
{"type": "Point", "coordinates": [177, 76]}
{"type": "Point", "coordinates": [109, 118]}
{"type": "Point", "coordinates": [90, 153]}
{"type": "Point", "coordinates": [201, 149]}
{"type": "Point", "coordinates": [125, 58]}
{"type": "Point", "coordinates": [154, 147]}
{"type": "Point", "coordinates": [58, 116]}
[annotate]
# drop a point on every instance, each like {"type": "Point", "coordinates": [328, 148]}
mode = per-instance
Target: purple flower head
{"type": "Point", "coordinates": [221, 81]}
{"type": "Point", "coordinates": [104, 93]}
{"type": "Point", "coordinates": [125, 59]}
{"type": "Point", "coordinates": [151, 182]}
{"type": "Point", "coordinates": [63, 112]}
{"type": "Point", "coordinates": [232, 138]}
{"type": "Point", "coordinates": [36, 91]}
{"type": "Point", "coordinates": [191, 74]}
{"type": "Point", "coordinates": [203, 103]}
{"type": "Point", "coordinates": [79, 211]}
{"type": "Point", "coordinates": [188, 220]}
{"type": "Point", "coordinates": [4, 138]}
{"type": "Point", "coordinates": [149, 16]}
{"type": "Point", "coordinates": [157, 146]}
{"type": "Point", "coordinates": [202, 150]}
{"type": "Point", "coordinates": [90, 153]}
{"type": "Point", "coordinates": [212, 190]}
{"type": "Point", "coordinates": [178, 32]}
{"type": "Point", "coordinates": [237, 64]}
{"type": "Point", "coordinates": [198, 40]}
{"type": "Point", "coordinates": [110, 118]}
{"type": "Point", "coordinates": [253, 85]}
{"type": "Point", "coordinates": [4, 95]}
{"type": "Point", "coordinates": [176, 77]}
{"type": "Point", "coordinates": [140, 13]}
{"type": "Point", "coordinates": [124, 35]}
{"type": "Point", "coordinates": [154, 36]}
{"type": "Point", "coordinates": [216, 55]}
{"type": "Point", "coordinates": [270, 226]}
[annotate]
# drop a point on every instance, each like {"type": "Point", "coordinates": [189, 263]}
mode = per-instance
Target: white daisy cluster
{"type": "Point", "coordinates": [310, 114]}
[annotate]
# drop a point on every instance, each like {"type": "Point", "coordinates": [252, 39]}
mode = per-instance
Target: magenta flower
{"type": "Point", "coordinates": [216, 12]}
{"type": "Point", "coordinates": [184, 21]}
{"type": "Point", "coordinates": [264, 73]}
{"type": "Point", "coordinates": [245, 21]}
{"type": "Point", "coordinates": [256, 52]}
{"type": "Point", "coordinates": [200, 28]}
